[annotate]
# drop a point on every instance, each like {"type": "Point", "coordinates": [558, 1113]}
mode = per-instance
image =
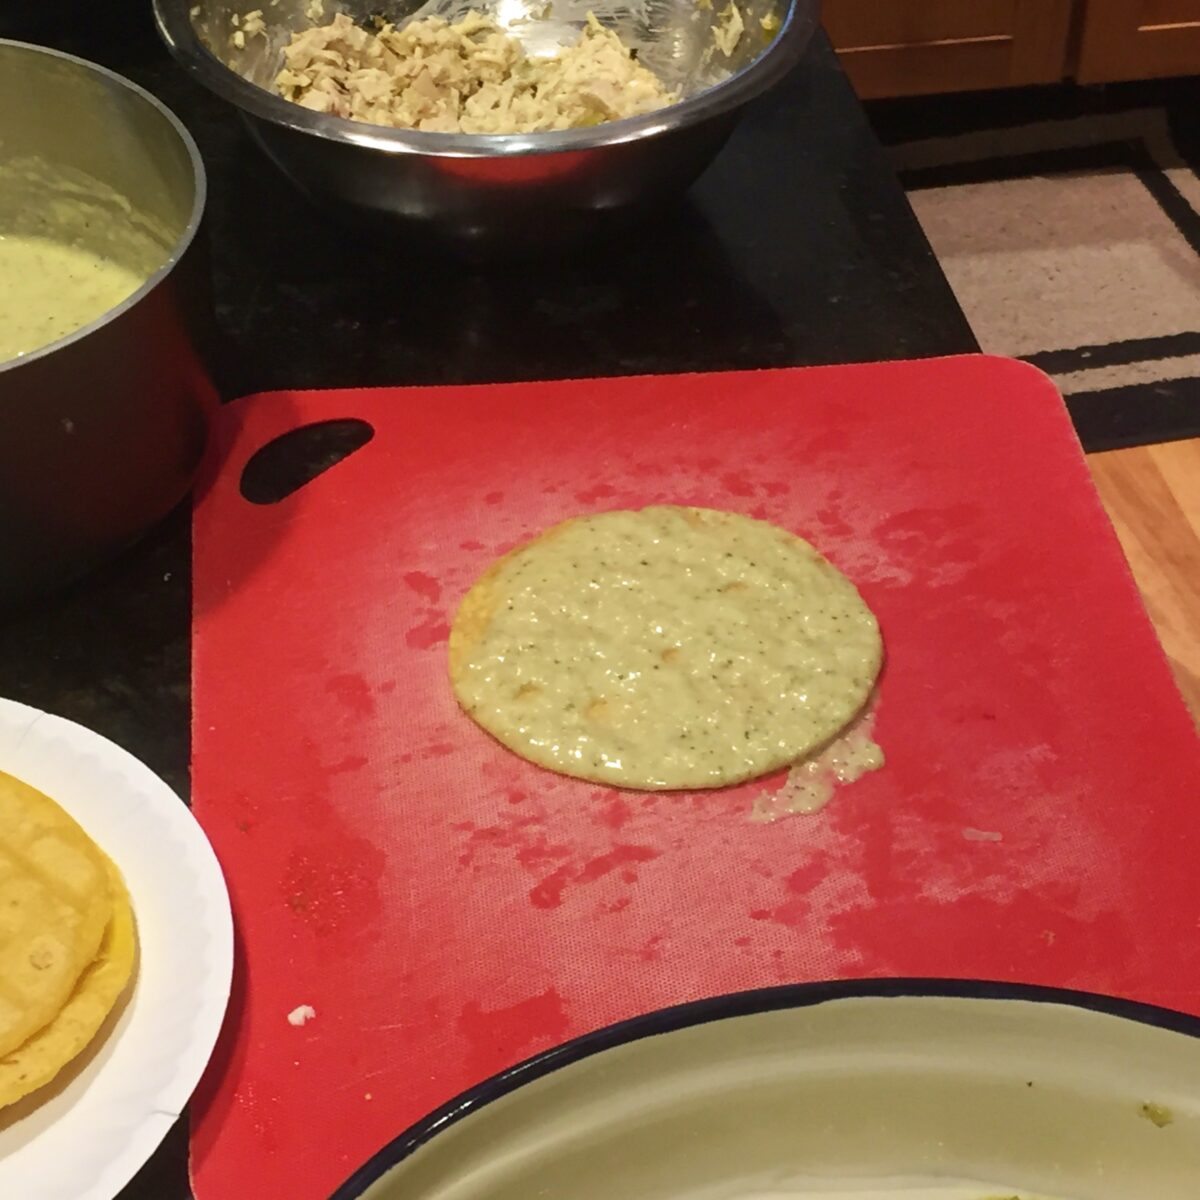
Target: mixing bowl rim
{"type": "Point", "coordinates": [173, 18]}
{"type": "Point", "coordinates": [180, 244]}
{"type": "Point", "coordinates": [735, 1005]}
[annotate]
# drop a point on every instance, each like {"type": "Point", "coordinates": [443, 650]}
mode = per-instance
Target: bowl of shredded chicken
{"type": "Point", "coordinates": [471, 76]}
{"type": "Point", "coordinates": [533, 121]}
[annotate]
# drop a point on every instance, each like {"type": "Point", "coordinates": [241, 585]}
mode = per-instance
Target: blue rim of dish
{"type": "Point", "coordinates": [738, 1004]}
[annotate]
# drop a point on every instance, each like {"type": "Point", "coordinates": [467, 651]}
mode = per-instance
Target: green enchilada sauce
{"type": "Point", "coordinates": [49, 289]}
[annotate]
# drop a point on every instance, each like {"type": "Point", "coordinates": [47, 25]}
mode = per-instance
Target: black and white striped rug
{"type": "Point", "coordinates": [1068, 224]}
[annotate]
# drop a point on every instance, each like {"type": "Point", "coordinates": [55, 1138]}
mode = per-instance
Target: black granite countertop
{"type": "Point", "coordinates": [797, 247]}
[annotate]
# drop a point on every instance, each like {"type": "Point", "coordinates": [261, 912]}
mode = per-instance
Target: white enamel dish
{"type": "Point", "coordinates": [860, 1091]}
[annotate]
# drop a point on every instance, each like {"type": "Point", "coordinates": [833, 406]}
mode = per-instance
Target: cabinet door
{"type": "Point", "coordinates": [1135, 39]}
{"type": "Point", "coordinates": [910, 47]}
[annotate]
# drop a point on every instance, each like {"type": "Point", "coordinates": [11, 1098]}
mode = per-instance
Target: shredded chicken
{"type": "Point", "coordinates": [470, 77]}
{"type": "Point", "coordinates": [728, 32]}
{"type": "Point", "coordinates": [244, 28]}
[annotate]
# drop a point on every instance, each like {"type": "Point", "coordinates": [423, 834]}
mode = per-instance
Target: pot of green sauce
{"type": "Point", "coordinates": [104, 399]}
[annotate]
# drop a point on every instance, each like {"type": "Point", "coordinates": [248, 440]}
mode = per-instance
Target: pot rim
{"type": "Point", "coordinates": [181, 243]}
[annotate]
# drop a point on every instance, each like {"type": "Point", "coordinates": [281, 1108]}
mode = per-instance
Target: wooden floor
{"type": "Point", "coordinates": [1152, 494]}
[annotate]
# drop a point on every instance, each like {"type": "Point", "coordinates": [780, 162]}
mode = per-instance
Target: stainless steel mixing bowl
{"type": "Point", "coordinates": [510, 193]}
{"type": "Point", "coordinates": [103, 429]}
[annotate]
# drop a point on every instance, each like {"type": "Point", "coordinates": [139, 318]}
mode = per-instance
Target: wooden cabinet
{"type": "Point", "coordinates": [908, 47]}
{"type": "Point", "coordinates": [914, 47]}
{"type": "Point", "coordinates": [1137, 39]}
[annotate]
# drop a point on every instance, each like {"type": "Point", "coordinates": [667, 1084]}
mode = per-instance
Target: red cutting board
{"type": "Point", "coordinates": [447, 909]}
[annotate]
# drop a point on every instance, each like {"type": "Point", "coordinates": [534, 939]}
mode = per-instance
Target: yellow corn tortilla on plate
{"type": "Point", "coordinates": [37, 1061]}
{"type": "Point", "coordinates": [55, 904]}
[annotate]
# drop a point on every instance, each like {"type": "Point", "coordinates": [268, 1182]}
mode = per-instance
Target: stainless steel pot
{"type": "Point", "coordinates": [102, 430]}
{"type": "Point", "coordinates": [505, 195]}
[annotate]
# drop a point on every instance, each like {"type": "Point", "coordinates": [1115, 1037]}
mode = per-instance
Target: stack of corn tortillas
{"type": "Point", "coordinates": [67, 939]}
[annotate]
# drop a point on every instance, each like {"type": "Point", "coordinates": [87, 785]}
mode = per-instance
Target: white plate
{"type": "Point", "coordinates": [86, 1137]}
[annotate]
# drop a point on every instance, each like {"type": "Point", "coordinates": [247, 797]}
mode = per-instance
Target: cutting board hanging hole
{"type": "Point", "coordinates": [285, 464]}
